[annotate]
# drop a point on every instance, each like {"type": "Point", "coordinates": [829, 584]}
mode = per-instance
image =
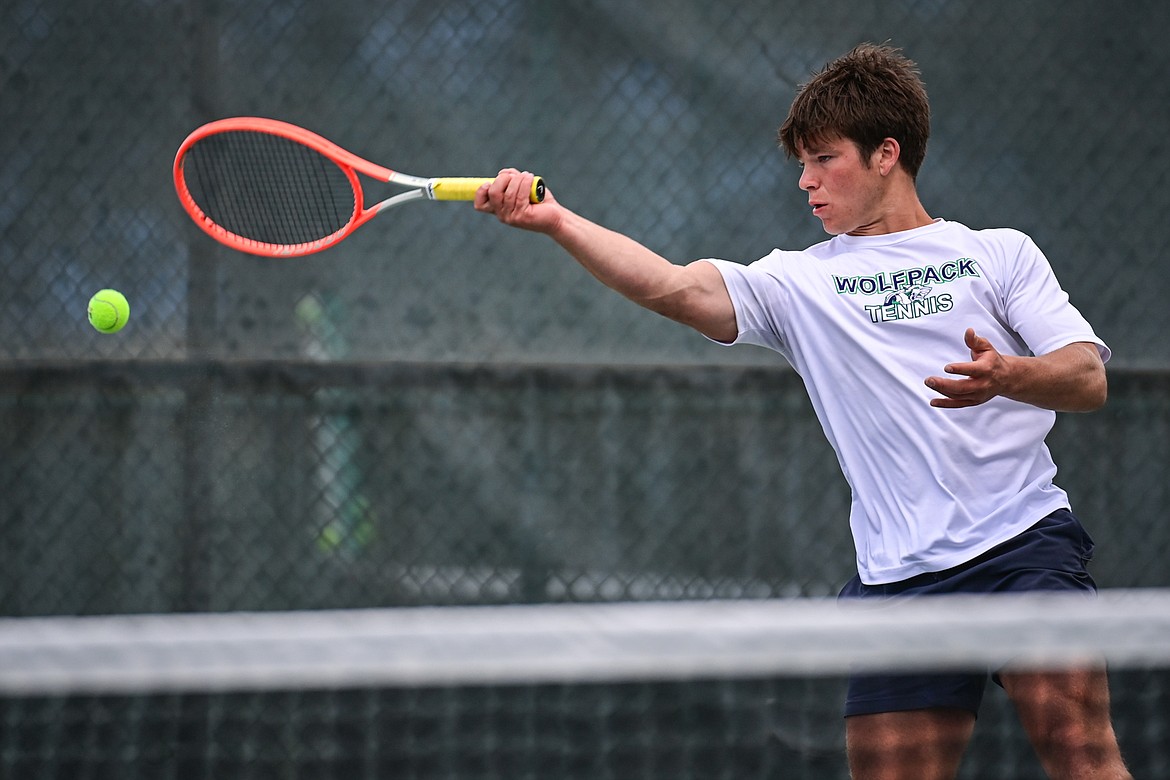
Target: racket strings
{"type": "Point", "coordinates": [268, 188]}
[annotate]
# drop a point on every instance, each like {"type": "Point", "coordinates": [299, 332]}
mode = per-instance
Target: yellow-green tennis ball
{"type": "Point", "coordinates": [108, 311]}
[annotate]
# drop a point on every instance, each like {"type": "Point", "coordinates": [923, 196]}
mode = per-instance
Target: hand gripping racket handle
{"type": "Point", "coordinates": [463, 188]}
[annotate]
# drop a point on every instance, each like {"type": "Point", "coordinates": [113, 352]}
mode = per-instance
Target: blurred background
{"type": "Point", "coordinates": [444, 411]}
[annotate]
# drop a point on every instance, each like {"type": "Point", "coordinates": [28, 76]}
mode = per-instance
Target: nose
{"type": "Point", "coordinates": [806, 182]}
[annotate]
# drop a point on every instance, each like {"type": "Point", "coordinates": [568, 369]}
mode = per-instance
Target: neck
{"type": "Point", "coordinates": [897, 212]}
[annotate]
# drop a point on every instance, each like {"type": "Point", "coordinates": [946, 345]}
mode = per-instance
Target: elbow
{"type": "Point", "coordinates": [691, 308]}
{"type": "Point", "coordinates": [1100, 382]}
{"type": "Point", "coordinates": [1094, 383]}
{"type": "Point", "coordinates": [1094, 391]}
{"type": "Point", "coordinates": [676, 303]}
{"type": "Point", "coordinates": [1100, 393]}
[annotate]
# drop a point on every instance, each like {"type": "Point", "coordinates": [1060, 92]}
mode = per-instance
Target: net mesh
{"type": "Point", "coordinates": [684, 689]}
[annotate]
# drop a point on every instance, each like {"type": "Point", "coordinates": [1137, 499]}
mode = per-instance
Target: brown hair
{"type": "Point", "coordinates": [872, 93]}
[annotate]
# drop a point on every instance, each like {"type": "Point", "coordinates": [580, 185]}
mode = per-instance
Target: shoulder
{"type": "Point", "coordinates": [1003, 251]}
{"type": "Point", "coordinates": [779, 259]}
{"type": "Point", "coordinates": [1003, 237]}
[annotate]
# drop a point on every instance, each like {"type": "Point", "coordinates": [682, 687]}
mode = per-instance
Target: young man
{"type": "Point", "coordinates": [935, 357]}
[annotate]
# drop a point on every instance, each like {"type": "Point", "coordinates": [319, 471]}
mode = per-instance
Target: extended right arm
{"type": "Point", "coordinates": [693, 294]}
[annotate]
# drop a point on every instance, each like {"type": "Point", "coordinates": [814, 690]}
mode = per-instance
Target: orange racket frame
{"type": "Point", "coordinates": [442, 188]}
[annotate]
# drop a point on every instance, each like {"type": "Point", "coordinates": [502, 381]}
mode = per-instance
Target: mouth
{"type": "Point", "coordinates": [817, 208]}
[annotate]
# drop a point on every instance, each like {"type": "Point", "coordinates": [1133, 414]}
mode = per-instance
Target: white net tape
{"type": "Point", "coordinates": [575, 643]}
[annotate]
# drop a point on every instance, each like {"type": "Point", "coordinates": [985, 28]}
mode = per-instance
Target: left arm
{"type": "Point", "coordinates": [1069, 379]}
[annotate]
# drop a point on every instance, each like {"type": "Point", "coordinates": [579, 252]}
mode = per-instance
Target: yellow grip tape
{"type": "Point", "coordinates": [463, 188]}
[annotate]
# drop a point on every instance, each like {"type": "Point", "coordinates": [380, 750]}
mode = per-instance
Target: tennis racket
{"type": "Point", "coordinates": [271, 188]}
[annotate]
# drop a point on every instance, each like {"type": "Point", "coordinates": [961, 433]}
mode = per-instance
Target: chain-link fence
{"type": "Point", "coordinates": [444, 410]}
{"type": "Point", "coordinates": [212, 486]}
{"type": "Point", "coordinates": [657, 119]}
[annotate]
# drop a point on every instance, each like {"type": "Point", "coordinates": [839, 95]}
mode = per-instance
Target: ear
{"type": "Point", "coordinates": [887, 155]}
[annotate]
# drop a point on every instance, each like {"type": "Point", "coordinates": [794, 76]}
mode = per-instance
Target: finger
{"type": "Point", "coordinates": [947, 387]}
{"type": "Point", "coordinates": [955, 397]}
{"type": "Point", "coordinates": [483, 199]}
{"type": "Point", "coordinates": [959, 393]}
{"type": "Point", "coordinates": [518, 190]}
{"type": "Point", "coordinates": [956, 388]}
{"type": "Point", "coordinates": [499, 185]}
{"type": "Point", "coordinates": [976, 343]}
{"type": "Point", "coordinates": [962, 369]}
{"type": "Point", "coordinates": [952, 403]}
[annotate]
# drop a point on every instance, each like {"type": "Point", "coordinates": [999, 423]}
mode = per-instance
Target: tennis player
{"type": "Point", "coordinates": [936, 358]}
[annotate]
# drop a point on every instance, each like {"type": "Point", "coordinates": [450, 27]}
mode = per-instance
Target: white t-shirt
{"type": "Point", "coordinates": [864, 321]}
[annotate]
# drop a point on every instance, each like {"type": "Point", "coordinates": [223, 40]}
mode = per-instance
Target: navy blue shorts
{"type": "Point", "coordinates": [1051, 555]}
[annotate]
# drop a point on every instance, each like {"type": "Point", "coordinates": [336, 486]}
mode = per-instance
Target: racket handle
{"type": "Point", "coordinates": [463, 188]}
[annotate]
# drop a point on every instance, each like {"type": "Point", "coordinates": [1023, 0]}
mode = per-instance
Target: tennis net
{"type": "Point", "coordinates": [645, 690]}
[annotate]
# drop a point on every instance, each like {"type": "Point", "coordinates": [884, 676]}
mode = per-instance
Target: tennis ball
{"type": "Point", "coordinates": [108, 311]}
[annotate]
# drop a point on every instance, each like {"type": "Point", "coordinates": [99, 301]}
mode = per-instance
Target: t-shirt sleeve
{"type": "Point", "coordinates": [1039, 309]}
{"type": "Point", "coordinates": [757, 296]}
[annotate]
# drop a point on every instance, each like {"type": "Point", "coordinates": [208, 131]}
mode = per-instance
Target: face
{"type": "Point", "coordinates": [845, 194]}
